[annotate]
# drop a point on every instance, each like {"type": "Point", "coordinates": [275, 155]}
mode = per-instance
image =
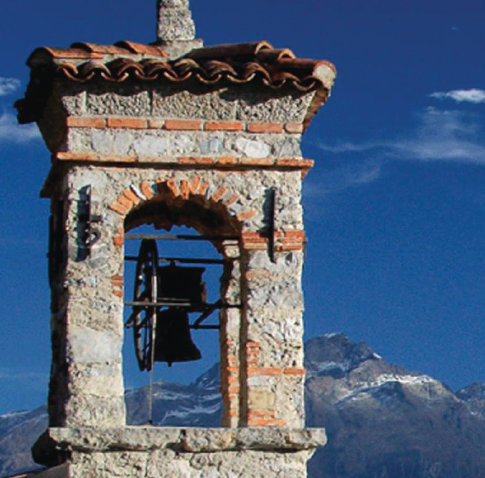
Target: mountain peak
{"type": "Point", "coordinates": [474, 397]}
{"type": "Point", "coordinates": [336, 352]}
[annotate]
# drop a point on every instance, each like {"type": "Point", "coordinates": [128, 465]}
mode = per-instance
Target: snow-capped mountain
{"type": "Point", "coordinates": [198, 404]}
{"type": "Point", "coordinates": [385, 422]}
{"type": "Point", "coordinates": [382, 420]}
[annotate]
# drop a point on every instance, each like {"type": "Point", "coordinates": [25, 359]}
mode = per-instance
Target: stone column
{"type": "Point", "coordinates": [273, 352]}
{"type": "Point", "coordinates": [88, 328]}
{"type": "Point", "coordinates": [230, 336]}
{"type": "Point", "coordinates": [272, 328]}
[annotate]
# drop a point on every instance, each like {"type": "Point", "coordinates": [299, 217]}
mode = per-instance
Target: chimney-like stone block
{"type": "Point", "coordinates": [175, 21]}
{"type": "Point", "coordinates": [176, 28]}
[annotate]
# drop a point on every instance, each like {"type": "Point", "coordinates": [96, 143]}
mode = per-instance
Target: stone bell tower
{"type": "Point", "coordinates": [174, 133]}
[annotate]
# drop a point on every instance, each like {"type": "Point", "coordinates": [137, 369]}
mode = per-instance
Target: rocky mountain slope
{"type": "Point", "coordinates": [382, 421]}
{"type": "Point", "coordinates": [385, 422]}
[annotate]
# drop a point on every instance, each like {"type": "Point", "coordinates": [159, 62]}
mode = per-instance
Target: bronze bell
{"type": "Point", "coordinates": [173, 342]}
{"type": "Point", "coordinates": [181, 284]}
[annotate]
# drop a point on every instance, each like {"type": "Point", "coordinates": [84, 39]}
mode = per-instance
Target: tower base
{"type": "Point", "coordinates": [151, 452]}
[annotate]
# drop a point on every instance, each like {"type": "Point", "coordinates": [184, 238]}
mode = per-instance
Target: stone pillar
{"type": "Point", "coordinates": [87, 318]}
{"type": "Point", "coordinates": [273, 328]}
{"type": "Point", "coordinates": [230, 336]}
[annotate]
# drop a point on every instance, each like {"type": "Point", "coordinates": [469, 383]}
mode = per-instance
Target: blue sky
{"type": "Point", "coordinates": [394, 207]}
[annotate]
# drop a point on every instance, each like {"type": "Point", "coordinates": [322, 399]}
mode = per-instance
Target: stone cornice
{"type": "Point", "coordinates": [60, 441]}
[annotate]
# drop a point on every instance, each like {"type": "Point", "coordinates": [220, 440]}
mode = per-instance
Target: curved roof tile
{"type": "Point", "coordinates": [220, 64]}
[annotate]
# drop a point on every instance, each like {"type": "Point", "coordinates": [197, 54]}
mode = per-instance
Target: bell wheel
{"type": "Point", "coordinates": [144, 316]}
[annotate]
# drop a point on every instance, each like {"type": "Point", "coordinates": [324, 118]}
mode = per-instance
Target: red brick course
{"type": "Point", "coordinates": [256, 161]}
{"type": "Point", "coordinates": [77, 156]}
{"type": "Point", "coordinates": [262, 422]}
{"type": "Point", "coordinates": [131, 123]}
{"type": "Point", "coordinates": [236, 164]}
{"type": "Point", "coordinates": [265, 127]}
{"type": "Point", "coordinates": [223, 126]}
{"type": "Point", "coordinates": [80, 122]}
{"type": "Point", "coordinates": [294, 128]}
{"type": "Point", "coordinates": [227, 160]}
{"type": "Point", "coordinates": [290, 247]}
{"type": "Point", "coordinates": [156, 123]}
{"type": "Point", "coordinates": [183, 125]}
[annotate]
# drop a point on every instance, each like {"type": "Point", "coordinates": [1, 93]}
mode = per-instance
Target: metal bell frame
{"type": "Point", "coordinates": [147, 301]}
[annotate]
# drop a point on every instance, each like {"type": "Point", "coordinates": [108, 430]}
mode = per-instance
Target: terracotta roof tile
{"type": "Point", "coordinates": [65, 53]}
{"type": "Point", "coordinates": [102, 49]}
{"type": "Point", "coordinates": [221, 64]}
{"type": "Point", "coordinates": [230, 50]}
{"type": "Point", "coordinates": [140, 48]}
{"type": "Point", "coordinates": [275, 55]}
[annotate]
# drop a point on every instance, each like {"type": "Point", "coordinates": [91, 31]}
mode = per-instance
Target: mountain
{"type": "Point", "coordinates": [382, 420]}
{"type": "Point", "coordinates": [385, 422]}
{"type": "Point", "coordinates": [474, 397]}
{"type": "Point", "coordinates": [18, 432]}
{"type": "Point", "coordinates": [198, 404]}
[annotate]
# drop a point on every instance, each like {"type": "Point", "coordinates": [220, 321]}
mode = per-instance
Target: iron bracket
{"type": "Point", "coordinates": [271, 225]}
{"type": "Point", "coordinates": [88, 235]}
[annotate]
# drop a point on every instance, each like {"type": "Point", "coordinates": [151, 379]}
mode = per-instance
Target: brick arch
{"type": "Point", "coordinates": [208, 208]}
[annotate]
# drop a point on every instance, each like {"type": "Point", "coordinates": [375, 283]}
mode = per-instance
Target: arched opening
{"type": "Point", "coordinates": [189, 243]}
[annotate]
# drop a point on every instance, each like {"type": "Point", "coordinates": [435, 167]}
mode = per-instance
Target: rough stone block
{"type": "Point", "coordinates": [93, 411]}
{"type": "Point", "coordinates": [261, 105]}
{"type": "Point", "coordinates": [119, 101]}
{"type": "Point", "coordinates": [151, 146]}
{"type": "Point", "coordinates": [93, 346]}
{"type": "Point", "coordinates": [253, 148]}
{"type": "Point", "coordinates": [101, 380]}
{"type": "Point", "coordinates": [203, 104]}
{"type": "Point", "coordinates": [261, 400]}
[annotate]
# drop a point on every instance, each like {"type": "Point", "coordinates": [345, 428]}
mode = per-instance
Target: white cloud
{"type": "Point", "coordinates": [443, 136]}
{"type": "Point", "coordinates": [343, 178]}
{"type": "Point", "coordinates": [12, 132]}
{"type": "Point", "coordinates": [440, 135]}
{"type": "Point", "coordinates": [8, 86]}
{"type": "Point", "coordinates": [349, 147]}
{"type": "Point", "coordinates": [16, 375]}
{"type": "Point", "coordinates": [470, 96]}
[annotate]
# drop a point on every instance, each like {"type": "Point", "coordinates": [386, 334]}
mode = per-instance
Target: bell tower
{"type": "Point", "coordinates": [175, 133]}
